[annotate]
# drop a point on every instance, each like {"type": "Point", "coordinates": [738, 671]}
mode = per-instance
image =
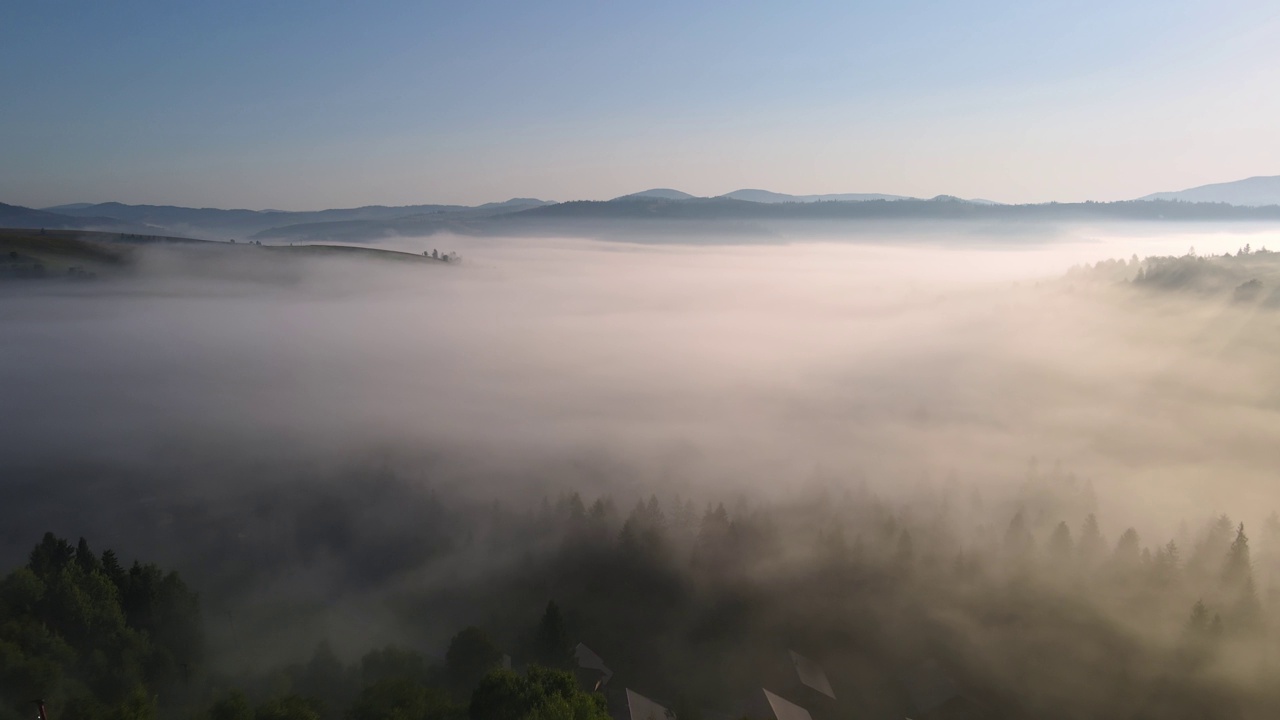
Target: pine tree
{"type": "Point", "coordinates": [1207, 554]}
{"type": "Point", "coordinates": [51, 555]}
{"type": "Point", "coordinates": [1237, 568]}
{"type": "Point", "coordinates": [233, 706]}
{"type": "Point", "coordinates": [711, 548]}
{"type": "Point", "coordinates": [1128, 548]}
{"type": "Point", "coordinates": [111, 566]}
{"type": "Point", "coordinates": [1091, 543]}
{"type": "Point", "coordinates": [1060, 546]}
{"type": "Point", "coordinates": [85, 558]}
{"type": "Point", "coordinates": [471, 655]}
{"type": "Point", "coordinates": [551, 647]}
{"type": "Point", "coordinates": [1198, 623]}
{"type": "Point", "coordinates": [1164, 567]}
{"type": "Point", "coordinates": [1237, 578]}
{"type": "Point", "coordinates": [1018, 541]}
{"type": "Point", "coordinates": [576, 510]}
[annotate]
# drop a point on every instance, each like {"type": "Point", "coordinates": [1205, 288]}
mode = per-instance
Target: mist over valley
{"type": "Point", "coordinates": [383, 449]}
{"type": "Point", "coordinates": [639, 361]}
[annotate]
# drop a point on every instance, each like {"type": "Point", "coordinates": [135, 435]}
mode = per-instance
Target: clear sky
{"type": "Point", "coordinates": [308, 105]}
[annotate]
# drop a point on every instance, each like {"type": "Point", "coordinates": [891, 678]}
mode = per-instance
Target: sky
{"type": "Point", "coordinates": [295, 106]}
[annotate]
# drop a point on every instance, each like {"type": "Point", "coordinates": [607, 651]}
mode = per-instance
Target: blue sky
{"type": "Point", "coordinates": [310, 105]}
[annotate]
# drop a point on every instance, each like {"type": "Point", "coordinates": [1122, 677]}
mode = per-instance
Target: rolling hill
{"type": "Point", "coordinates": [23, 217]}
{"type": "Point", "coordinates": [216, 223]}
{"type": "Point", "coordinates": [1251, 192]}
{"type": "Point", "coordinates": [658, 194]}
{"type": "Point", "coordinates": [49, 254]}
{"type": "Point", "coordinates": [767, 196]}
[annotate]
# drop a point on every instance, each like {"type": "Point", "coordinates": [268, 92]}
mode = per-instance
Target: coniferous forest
{"type": "Point", "coordinates": [1022, 605]}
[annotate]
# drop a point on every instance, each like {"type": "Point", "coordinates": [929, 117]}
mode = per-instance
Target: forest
{"type": "Point", "coordinates": [958, 604]}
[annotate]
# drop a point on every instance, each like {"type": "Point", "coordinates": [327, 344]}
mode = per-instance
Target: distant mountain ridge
{"type": "Point", "coordinates": [658, 211]}
{"type": "Point", "coordinates": [216, 222]}
{"type": "Point", "coordinates": [756, 195]}
{"type": "Point", "coordinates": [658, 193]}
{"type": "Point", "coordinates": [768, 196]}
{"type": "Point", "coordinates": [1250, 192]}
{"type": "Point", "coordinates": [18, 216]}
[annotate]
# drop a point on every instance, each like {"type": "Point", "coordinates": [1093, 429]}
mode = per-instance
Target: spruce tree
{"type": "Point", "coordinates": [551, 646]}
{"type": "Point", "coordinates": [1245, 613]}
{"type": "Point", "coordinates": [1091, 544]}
{"type": "Point", "coordinates": [1061, 547]}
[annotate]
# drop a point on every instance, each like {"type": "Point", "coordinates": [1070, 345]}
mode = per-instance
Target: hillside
{"type": "Point", "coordinates": [17, 216]}
{"type": "Point", "coordinates": [1254, 191]}
{"type": "Point", "coordinates": [766, 196]}
{"type": "Point", "coordinates": [215, 223]}
{"type": "Point", "coordinates": [658, 194]}
{"type": "Point", "coordinates": [36, 254]}
{"type": "Point", "coordinates": [723, 219]}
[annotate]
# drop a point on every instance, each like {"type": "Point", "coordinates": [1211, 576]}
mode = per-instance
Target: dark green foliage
{"type": "Point", "coordinates": [391, 663]}
{"type": "Point", "coordinates": [234, 706]}
{"type": "Point", "coordinates": [289, 707]}
{"type": "Point", "coordinates": [85, 559]}
{"type": "Point", "coordinates": [1029, 621]}
{"type": "Point", "coordinates": [542, 694]}
{"type": "Point", "coordinates": [324, 681]}
{"type": "Point", "coordinates": [551, 646]}
{"type": "Point", "coordinates": [402, 699]}
{"type": "Point", "coordinates": [91, 640]}
{"type": "Point", "coordinates": [136, 706]}
{"type": "Point", "coordinates": [471, 655]}
{"type": "Point", "coordinates": [50, 556]}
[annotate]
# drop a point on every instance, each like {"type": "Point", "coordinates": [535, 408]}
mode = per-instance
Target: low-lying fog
{"type": "Point", "coordinates": [909, 435]}
{"type": "Point", "coordinates": [753, 368]}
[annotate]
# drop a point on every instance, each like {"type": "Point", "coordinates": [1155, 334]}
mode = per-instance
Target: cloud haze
{"type": "Point", "coordinates": [759, 366]}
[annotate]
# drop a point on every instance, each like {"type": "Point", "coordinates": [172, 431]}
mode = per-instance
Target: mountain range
{"type": "Point", "coordinates": [659, 211]}
{"type": "Point", "coordinates": [764, 196]}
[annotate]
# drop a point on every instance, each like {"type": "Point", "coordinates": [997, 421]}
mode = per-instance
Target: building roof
{"type": "Point", "coordinates": [785, 709]}
{"type": "Point", "coordinates": [812, 675]}
{"type": "Point", "coordinates": [640, 707]}
{"type": "Point", "coordinates": [590, 661]}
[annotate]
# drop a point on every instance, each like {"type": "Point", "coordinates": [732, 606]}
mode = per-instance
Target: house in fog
{"type": "Point", "coordinates": [804, 682]}
{"type": "Point", "coordinates": [811, 675]}
{"type": "Point", "coordinates": [591, 670]}
{"type": "Point", "coordinates": [640, 707]}
{"type": "Point", "coordinates": [765, 705]}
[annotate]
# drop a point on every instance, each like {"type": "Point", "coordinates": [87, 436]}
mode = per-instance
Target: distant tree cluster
{"type": "Point", "coordinates": [443, 257]}
{"type": "Point", "coordinates": [1246, 274]}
